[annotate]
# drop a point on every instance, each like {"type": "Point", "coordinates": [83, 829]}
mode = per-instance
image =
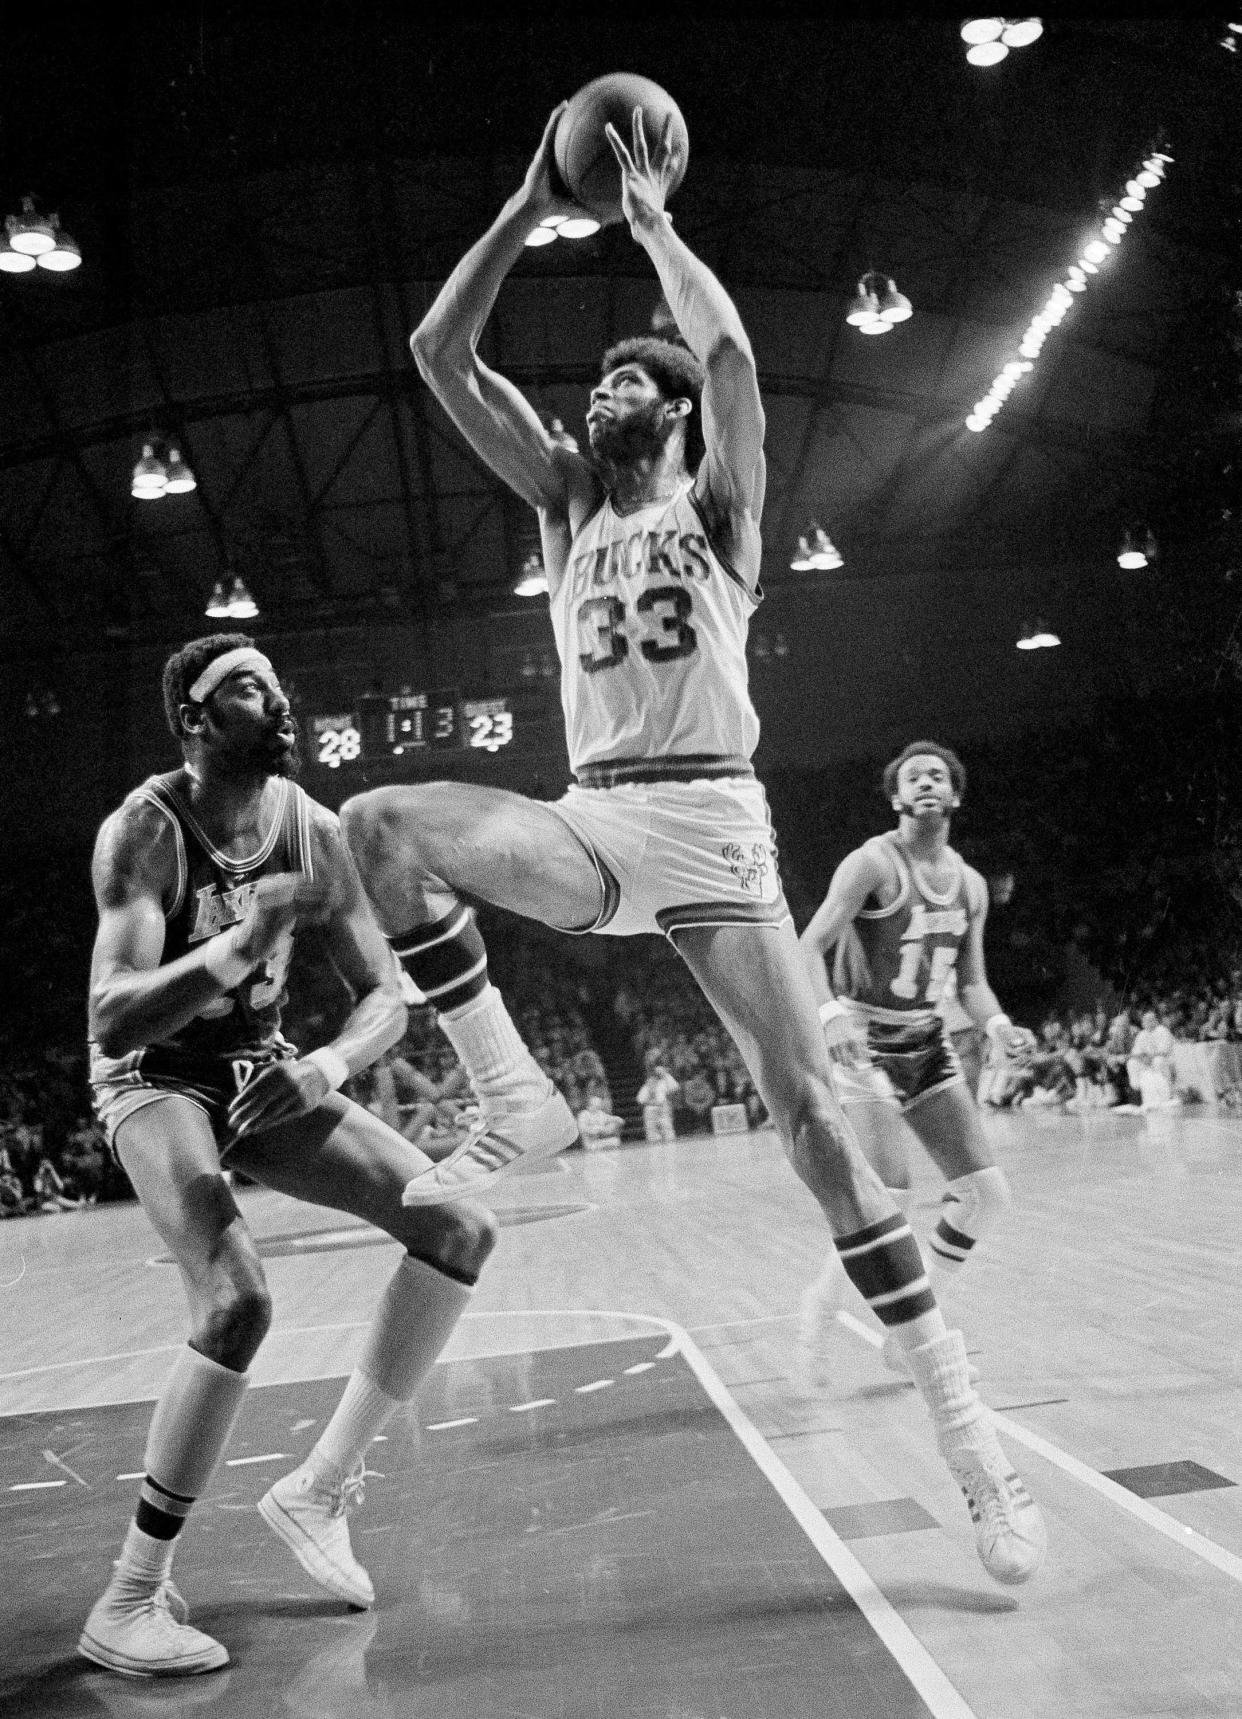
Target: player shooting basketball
{"type": "Point", "coordinates": [653, 573]}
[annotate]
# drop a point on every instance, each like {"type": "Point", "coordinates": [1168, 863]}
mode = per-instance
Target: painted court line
{"type": "Point", "coordinates": [940, 1697]}
{"type": "Point", "coordinates": [1228, 1563]}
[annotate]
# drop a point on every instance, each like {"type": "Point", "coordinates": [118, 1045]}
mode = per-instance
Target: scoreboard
{"type": "Point", "coordinates": [394, 725]}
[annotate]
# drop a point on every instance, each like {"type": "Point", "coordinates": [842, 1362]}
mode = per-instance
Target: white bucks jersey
{"type": "Point", "coordinates": [651, 627]}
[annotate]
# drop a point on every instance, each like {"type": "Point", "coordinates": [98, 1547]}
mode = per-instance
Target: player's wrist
{"type": "Point", "coordinates": [997, 1024]}
{"type": "Point", "coordinates": [331, 1064]}
{"type": "Point", "coordinates": [832, 1010]}
{"type": "Point", "coordinates": [226, 961]}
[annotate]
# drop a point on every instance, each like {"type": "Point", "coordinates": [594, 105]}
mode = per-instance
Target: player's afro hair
{"type": "Point", "coordinates": [675, 371]}
{"type": "Point", "coordinates": [184, 667]}
{"type": "Point", "coordinates": [925, 749]}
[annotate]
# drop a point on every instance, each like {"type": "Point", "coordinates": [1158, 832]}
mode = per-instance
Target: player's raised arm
{"type": "Point", "coordinates": [494, 416]}
{"type": "Point", "coordinates": [709, 323]}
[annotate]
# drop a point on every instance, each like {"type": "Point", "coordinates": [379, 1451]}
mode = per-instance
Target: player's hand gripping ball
{"type": "Point", "coordinates": [584, 157]}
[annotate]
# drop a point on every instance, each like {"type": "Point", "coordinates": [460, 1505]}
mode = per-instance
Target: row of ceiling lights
{"type": "Point", "coordinates": [1112, 231]}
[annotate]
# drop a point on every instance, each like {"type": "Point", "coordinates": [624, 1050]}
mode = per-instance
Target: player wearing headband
{"type": "Point", "coordinates": [203, 877]}
{"type": "Point", "coordinates": [652, 548]}
{"type": "Point", "coordinates": [905, 915]}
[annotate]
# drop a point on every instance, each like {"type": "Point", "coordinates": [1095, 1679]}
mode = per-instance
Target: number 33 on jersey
{"type": "Point", "coordinates": [651, 623]}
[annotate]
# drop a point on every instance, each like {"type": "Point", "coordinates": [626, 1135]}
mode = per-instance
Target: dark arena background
{"type": "Point", "coordinates": [618, 1495]}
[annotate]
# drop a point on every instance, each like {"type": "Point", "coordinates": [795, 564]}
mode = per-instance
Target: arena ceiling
{"type": "Point", "coordinates": [266, 201]}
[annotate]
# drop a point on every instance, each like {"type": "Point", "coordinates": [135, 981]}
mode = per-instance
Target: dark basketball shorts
{"type": "Point", "coordinates": [156, 1073]}
{"type": "Point", "coordinates": [906, 1062]}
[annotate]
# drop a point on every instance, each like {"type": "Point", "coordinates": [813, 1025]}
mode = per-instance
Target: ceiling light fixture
{"type": "Point", "coordinates": [816, 553]}
{"type": "Point", "coordinates": [235, 604]}
{"type": "Point", "coordinates": [40, 238]}
{"type": "Point", "coordinates": [1114, 230]}
{"type": "Point", "coordinates": [1037, 636]}
{"type": "Point", "coordinates": [877, 305]}
{"type": "Point", "coordinates": [532, 581]}
{"type": "Point", "coordinates": [990, 39]}
{"type": "Point", "coordinates": [554, 227]}
{"type": "Point", "coordinates": [1138, 548]}
{"type": "Point", "coordinates": [160, 471]}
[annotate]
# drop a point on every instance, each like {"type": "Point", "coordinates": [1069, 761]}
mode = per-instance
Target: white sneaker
{"type": "Point", "coordinates": [818, 1331]}
{"type": "Point", "coordinates": [492, 1147]}
{"type": "Point", "coordinates": [311, 1519]}
{"type": "Point", "coordinates": [1009, 1530]}
{"type": "Point", "coordinates": [894, 1358]}
{"type": "Point", "coordinates": [143, 1638]}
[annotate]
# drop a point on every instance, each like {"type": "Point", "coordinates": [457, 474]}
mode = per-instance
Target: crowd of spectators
{"type": "Point", "coordinates": [1125, 1059]}
{"type": "Point", "coordinates": [670, 1027]}
{"type": "Point", "coordinates": [52, 1152]}
{"type": "Point", "coordinates": [1118, 836]}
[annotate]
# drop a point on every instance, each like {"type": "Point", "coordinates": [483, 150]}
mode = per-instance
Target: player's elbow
{"type": "Point", "coordinates": [424, 344]}
{"type": "Point", "coordinates": [106, 1023]}
{"type": "Point", "coordinates": [437, 351]}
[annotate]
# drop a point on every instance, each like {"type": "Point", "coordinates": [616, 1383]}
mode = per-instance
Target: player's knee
{"type": "Point", "coordinates": [369, 825]}
{"type": "Point", "coordinates": [235, 1324]}
{"type": "Point", "coordinates": [459, 1237]}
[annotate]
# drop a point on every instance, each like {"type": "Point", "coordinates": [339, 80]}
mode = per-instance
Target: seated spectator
{"type": "Point", "coordinates": [13, 1202]}
{"type": "Point", "coordinates": [49, 1190]}
{"type": "Point", "coordinates": [1150, 1064]}
{"type": "Point", "coordinates": [698, 1095]}
{"type": "Point", "coordinates": [1052, 1076]}
{"type": "Point", "coordinates": [597, 1126]}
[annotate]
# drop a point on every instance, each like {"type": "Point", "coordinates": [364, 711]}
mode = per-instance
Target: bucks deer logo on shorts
{"type": "Point", "coordinates": [752, 868]}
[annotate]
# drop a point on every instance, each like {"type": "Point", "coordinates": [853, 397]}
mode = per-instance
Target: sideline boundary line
{"type": "Point", "coordinates": [1228, 1563]}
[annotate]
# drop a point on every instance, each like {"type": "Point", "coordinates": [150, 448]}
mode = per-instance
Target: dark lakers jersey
{"type": "Point", "coordinates": [898, 959]}
{"type": "Point", "coordinates": [212, 893]}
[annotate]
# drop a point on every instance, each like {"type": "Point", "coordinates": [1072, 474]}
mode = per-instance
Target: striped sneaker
{"type": "Point", "coordinates": [310, 1517]}
{"type": "Point", "coordinates": [1009, 1530]}
{"type": "Point", "coordinates": [493, 1147]}
{"type": "Point", "coordinates": [141, 1637]}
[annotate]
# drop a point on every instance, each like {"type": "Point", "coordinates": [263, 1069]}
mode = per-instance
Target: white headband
{"type": "Point", "coordinates": [219, 668]}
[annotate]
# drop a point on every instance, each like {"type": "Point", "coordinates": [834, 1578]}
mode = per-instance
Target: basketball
{"type": "Point", "coordinates": [584, 157]}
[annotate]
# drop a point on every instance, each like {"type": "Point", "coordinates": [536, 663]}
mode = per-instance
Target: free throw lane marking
{"type": "Point", "coordinates": [942, 1700]}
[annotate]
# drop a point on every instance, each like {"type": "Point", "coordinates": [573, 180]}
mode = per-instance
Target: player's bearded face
{"type": "Point", "coordinates": [925, 787]}
{"type": "Point", "coordinates": [258, 736]}
{"type": "Point", "coordinates": [640, 433]}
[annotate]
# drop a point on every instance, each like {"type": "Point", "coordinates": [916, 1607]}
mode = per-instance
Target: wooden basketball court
{"type": "Point", "coordinates": [617, 1495]}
